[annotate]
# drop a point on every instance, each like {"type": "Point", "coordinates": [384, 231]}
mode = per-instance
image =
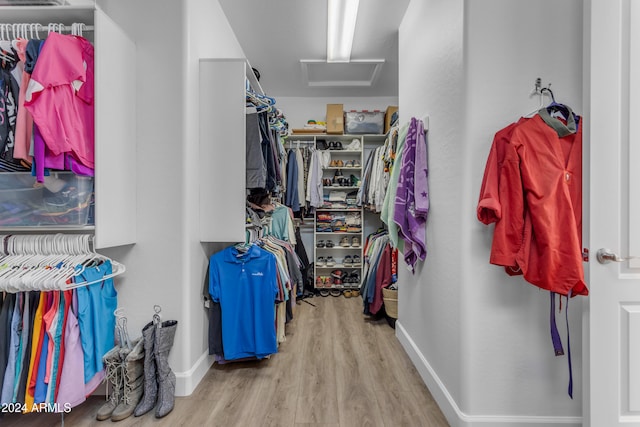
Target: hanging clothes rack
{"type": "Point", "coordinates": [50, 262]}
{"type": "Point", "coordinates": [33, 30]}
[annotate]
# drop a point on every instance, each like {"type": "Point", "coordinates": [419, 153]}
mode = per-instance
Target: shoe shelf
{"type": "Point", "coordinates": [342, 174]}
{"type": "Point", "coordinates": [341, 187]}
{"type": "Point", "coordinates": [343, 168]}
{"type": "Point", "coordinates": [340, 266]}
{"type": "Point", "coordinates": [339, 232]}
{"type": "Point", "coordinates": [331, 223]}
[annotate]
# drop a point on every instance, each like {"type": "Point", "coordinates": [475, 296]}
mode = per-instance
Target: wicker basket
{"type": "Point", "coordinates": [390, 298]}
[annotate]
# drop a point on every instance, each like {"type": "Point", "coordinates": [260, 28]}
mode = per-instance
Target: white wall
{"type": "Point", "coordinates": [431, 82]}
{"type": "Point", "coordinates": [481, 338]}
{"type": "Point", "coordinates": [155, 266]}
{"type": "Point", "coordinates": [208, 35]}
{"type": "Point", "coordinates": [167, 265]}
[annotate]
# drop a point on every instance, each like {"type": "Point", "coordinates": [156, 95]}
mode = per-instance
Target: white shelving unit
{"type": "Point", "coordinates": [115, 146]}
{"type": "Point", "coordinates": [325, 274]}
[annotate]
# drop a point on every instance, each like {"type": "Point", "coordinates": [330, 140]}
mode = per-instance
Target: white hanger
{"type": "Point", "coordinates": [48, 262]}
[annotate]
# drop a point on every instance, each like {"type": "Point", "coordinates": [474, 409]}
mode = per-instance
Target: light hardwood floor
{"type": "Point", "coordinates": [337, 368]}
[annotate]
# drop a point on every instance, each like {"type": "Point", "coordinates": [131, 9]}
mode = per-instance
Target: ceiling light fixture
{"type": "Point", "coordinates": [341, 25]}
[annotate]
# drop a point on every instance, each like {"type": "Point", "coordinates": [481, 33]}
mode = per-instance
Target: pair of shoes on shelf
{"type": "Point", "coordinates": [335, 145]}
{"type": "Point", "coordinates": [336, 163]}
{"type": "Point", "coordinates": [324, 282]}
{"type": "Point", "coordinates": [354, 145]}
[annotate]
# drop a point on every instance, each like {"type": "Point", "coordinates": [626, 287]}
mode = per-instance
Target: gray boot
{"type": "Point", "coordinates": [113, 373]}
{"type": "Point", "coordinates": [133, 380]}
{"type": "Point", "coordinates": [166, 378]}
{"type": "Point", "coordinates": [150, 393]}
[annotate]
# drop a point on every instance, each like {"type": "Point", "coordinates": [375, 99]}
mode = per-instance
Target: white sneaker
{"type": "Point", "coordinates": [353, 145]}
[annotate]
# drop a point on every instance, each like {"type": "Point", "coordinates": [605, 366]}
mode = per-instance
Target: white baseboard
{"type": "Point", "coordinates": [186, 382]}
{"type": "Point", "coordinates": [449, 407]}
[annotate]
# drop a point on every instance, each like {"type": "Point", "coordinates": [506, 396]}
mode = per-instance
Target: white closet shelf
{"type": "Point", "coordinates": [333, 267]}
{"type": "Point", "coordinates": [38, 229]}
{"type": "Point", "coordinates": [354, 233]}
{"type": "Point", "coordinates": [343, 168]}
{"type": "Point", "coordinates": [340, 248]}
{"type": "Point", "coordinates": [339, 187]}
{"type": "Point", "coordinates": [339, 210]}
{"type": "Point", "coordinates": [341, 151]}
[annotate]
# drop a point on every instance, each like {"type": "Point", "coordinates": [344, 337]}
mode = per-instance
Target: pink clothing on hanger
{"type": "Point", "coordinates": [60, 96]}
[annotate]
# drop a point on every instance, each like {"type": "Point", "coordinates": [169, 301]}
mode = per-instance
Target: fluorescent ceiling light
{"type": "Point", "coordinates": [341, 25]}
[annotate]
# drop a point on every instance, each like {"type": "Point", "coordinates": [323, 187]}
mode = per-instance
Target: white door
{"type": "Point", "coordinates": [613, 357]}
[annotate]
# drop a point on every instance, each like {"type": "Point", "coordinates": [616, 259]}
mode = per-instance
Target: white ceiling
{"type": "Point", "coordinates": [277, 34]}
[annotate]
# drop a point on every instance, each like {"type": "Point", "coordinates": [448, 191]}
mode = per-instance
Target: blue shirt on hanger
{"type": "Point", "coordinates": [246, 286]}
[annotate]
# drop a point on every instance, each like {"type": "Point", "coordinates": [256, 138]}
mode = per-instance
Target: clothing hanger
{"type": "Point", "coordinates": [538, 90]}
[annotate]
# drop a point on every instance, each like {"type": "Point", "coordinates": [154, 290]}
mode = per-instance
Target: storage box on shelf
{"type": "Point", "coordinates": [363, 122]}
{"type": "Point", "coordinates": [64, 199]}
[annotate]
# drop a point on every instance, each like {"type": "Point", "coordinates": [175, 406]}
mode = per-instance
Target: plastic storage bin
{"type": "Point", "coordinates": [64, 199]}
{"type": "Point", "coordinates": [362, 122]}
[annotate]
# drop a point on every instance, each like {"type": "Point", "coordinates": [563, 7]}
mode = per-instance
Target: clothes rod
{"type": "Point", "coordinates": [29, 28]}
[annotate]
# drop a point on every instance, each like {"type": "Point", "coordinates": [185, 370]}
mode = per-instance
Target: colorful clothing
{"type": "Point", "coordinates": [412, 197]}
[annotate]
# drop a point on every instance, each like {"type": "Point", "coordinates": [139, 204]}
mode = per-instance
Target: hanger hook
{"type": "Point", "coordinates": [548, 89]}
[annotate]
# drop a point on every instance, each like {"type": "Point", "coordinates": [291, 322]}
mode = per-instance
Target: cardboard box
{"type": "Point", "coordinates": [335, 119]}
{"type": "Point", "coordinates": [387, 117]}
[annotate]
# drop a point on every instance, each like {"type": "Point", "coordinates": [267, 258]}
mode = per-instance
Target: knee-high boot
{"type": "Point", "coordinates": [165, 334]}
{"type": "Point", "coordinates": [133, 382]}
{"type": "Point", "coordinates": [150, 390]}
{"type": "Point", "coordinates": [113, 372]}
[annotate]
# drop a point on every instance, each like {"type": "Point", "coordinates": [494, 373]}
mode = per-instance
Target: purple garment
{"type": "Point", "coordinates": [43, 158]}
{"type": "Point", "coordinates": [71, 388]}
{"type": "Point", "coordinates": [412, 197]}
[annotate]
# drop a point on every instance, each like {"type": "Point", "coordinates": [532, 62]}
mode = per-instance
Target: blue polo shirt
{"type": "Point", "coordinates": [245, 285]}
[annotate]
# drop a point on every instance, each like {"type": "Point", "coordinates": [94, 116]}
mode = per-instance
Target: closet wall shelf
{"type": "Point", "coordinates": [342, 168]}
{"type": "Point", "coordinates": [41, 229]}
{"type": "Point", "coordinates": [353, 233]}
{"type": "Point", "coordinates": [341, 248]}
{"type": "Point", "coordinates": [340, 210]}
{"type": "Point", "coordinates": [333, 267]}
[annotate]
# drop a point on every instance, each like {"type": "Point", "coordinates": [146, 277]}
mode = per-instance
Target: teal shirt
{"type": "Point", "coordinates": [386, 213]}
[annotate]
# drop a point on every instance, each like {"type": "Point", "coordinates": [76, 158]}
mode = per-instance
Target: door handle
{"type": "Point", "coordinates": [606, 256]}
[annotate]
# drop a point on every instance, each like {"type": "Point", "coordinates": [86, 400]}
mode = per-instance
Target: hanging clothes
{"type": "Point", "coordinates": [292, 196]}
{"type": "Point", "coordinates": [378, 270]}
{"type": "Point", "coordinates": [60, 99]}
{"type": "Point", "coordinates": [256, 168]}
{"type": "Point", "coordinates": [387, 211]}
{"type": "Point", "coordinates": [245, 284]}
{"type": "Point", "coordinates": [412, 195]}
{"type": "Point", "coordinates": [9, 96]}
{"type": "Point", "coordinates": [539, 203]}
{"type": "Point", "coordinates": [532, 191]}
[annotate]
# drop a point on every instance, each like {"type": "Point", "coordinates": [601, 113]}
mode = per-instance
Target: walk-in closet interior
{"type": "Point", "coordinates": [246, 213]}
